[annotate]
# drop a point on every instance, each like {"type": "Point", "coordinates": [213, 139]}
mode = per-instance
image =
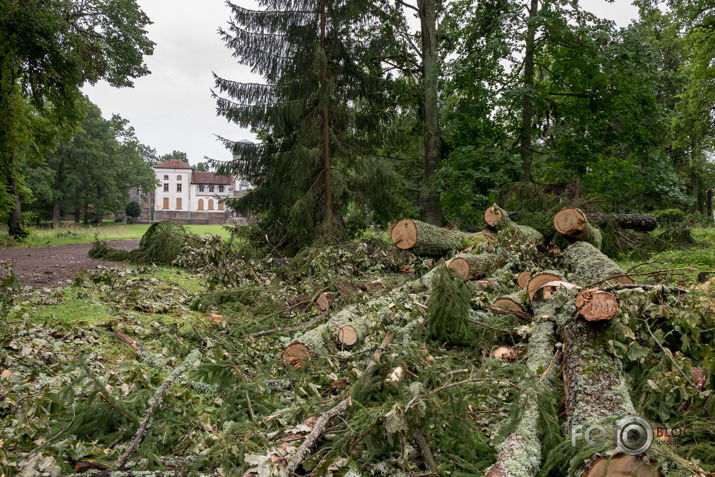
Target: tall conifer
{"type": "Point", "coordinates": [319, 115]}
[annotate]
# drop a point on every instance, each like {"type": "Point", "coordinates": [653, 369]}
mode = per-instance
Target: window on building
{"type": "Point", "coordinates": [166, 202]}
{"type": "Point", "coordinates": [201, 204]}
{"type": "Point", "coordinates": [211, 188]}
{"type": "Point", "coordinates": [178, 187]}
{"type": "Point", "coordinates": [211, 204]}
{"type": "Point", "coordinates": [220, 188]}
{"type": "Point", "coordinates": [166, 177]}
{"type": "Point", "coordinates": [178, 204]}
{"type": "Point", "coordinates": [220, 205]}
{"type": "Point", "coordinates": [166, 187]}
{"type": "Point", "coordinates": [201, 188]}
{"type": "Point", "coordinates": [178, 178]}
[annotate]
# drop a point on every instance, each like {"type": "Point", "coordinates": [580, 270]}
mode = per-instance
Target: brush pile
{"type": "Point", "coordinates": [447, 353]}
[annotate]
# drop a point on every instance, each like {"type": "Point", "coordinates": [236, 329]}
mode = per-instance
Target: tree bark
{"type": "Point", "coordinates": [324, 121]}
{"type": "Point", "coordinates": [520, 453]}
{"type": "Point", "coordinates": [588, 266]}
{"type": "Point", "coordinates": [471, 266]}
{"type": "Point", "coordinates": [527, 108]}
{"type": "Point", "coordinates": [422, 238]}
{"type": "Point", "coordinates": [14, 223]}
{"type": "Point", "coordinates": [430, 210]}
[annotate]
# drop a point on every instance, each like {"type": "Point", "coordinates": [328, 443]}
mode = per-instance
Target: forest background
{"type": "Point", "coordinates": [363, 118]}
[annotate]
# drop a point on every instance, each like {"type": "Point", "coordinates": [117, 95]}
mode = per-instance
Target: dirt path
{"type": "Point", "coordinates": [44, 266]}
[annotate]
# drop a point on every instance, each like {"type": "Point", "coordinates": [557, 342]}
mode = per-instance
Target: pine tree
{"type": "Point", "coordinates": [319, 116]}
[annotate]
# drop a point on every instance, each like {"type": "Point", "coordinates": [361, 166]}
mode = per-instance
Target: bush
{"type": "Point", "coordinates": [133, 209]}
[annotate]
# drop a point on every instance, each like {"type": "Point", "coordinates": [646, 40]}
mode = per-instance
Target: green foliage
{"type": "Point", "coordinates": [133, 209]}
{"type": "Point", "coordinates": [320, 119]}
{"type": "Point", "coordinates": [48, 51]}
{"type": "Point", "coordinates": [448, 308]}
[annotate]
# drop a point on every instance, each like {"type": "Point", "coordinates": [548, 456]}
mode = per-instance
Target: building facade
{"type": "Point", "coordinates": [188, 196]}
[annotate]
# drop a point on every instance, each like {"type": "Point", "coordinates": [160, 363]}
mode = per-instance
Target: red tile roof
{"type": "Point", "coordinates": [172, 164]}
{"type": "Point", "coordinates": [210, 178]}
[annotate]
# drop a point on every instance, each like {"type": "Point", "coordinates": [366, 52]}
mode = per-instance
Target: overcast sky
{"type": "Point", "coordinates": [172, 109]}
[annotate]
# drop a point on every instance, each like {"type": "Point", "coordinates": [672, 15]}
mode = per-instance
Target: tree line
{"type": "Point", "coordinates": [375, 109]}
{"type": "Point", "coordinates": [363, 116]}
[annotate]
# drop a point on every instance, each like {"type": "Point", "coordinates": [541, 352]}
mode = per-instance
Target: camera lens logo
{"type": "Point", "coordinates": [634, 435]}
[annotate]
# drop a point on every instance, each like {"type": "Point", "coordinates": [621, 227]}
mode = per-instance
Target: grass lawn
{"type": "Point", "coordinates": [71, 233]}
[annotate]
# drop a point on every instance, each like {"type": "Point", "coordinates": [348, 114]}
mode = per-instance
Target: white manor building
{"type": "Point", "coordinates": [188, 196]}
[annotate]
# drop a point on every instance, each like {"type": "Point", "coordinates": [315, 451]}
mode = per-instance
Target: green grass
{"type": "Point", "coordinates": [678, 264]}
{"type": "Point", "coordinates": [70, 234]}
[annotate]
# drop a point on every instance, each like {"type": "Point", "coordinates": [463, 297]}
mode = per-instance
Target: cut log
{"type": "Point", "coordinates": [639, 222]}
{"type": "Point", "coordinates": [504, 353]}
{"type": "Point", "coordinates": [523, 278]}
{"type": "Point", "coordinates": [572, 224]}
{"type": "Point", "coordinates": [471, 266]}
{"type": "Point", "coordinates": [506, 303]}
{"type": "Point", "coordinates": [514, 302]}
{"type": "Point", "coordinates": [596, 305]}
{"type": "Point", "coordinates": [323, 301]}
{"type": "Point", "coordinates": [425, 239]}
{"type": "Point", "coordinates": [538, 280]}
{"type": "Point", "coordinates": [347, 337]}
{"type": "Point", "coordinates": [295, 355]}
{"type": "Point", "coordinates": [588, 266]}
{"type": "Point", "coordinates": [496, 217]}
{"type": "Point", "coordinates": [520, 453]}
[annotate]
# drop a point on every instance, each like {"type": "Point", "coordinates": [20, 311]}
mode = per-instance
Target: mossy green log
{"type": "Point", "coordinates": [586, 265]}
{"type": "Point", "coordinates": [520, 454]}
{"type": "Point", "coordinates": [472, 267]}
{"type": "Point", "coordinates": [425, 239]}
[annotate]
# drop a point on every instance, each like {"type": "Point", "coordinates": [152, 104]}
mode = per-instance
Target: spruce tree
{"type": "Point", "coordinates": [319, 116]}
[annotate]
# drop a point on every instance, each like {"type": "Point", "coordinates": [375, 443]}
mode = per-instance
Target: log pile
{"type": "Point", "coordinates": [543, 372]}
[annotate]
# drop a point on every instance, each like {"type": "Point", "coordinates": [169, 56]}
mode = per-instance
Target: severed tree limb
{"type": "Point", "coordinates": [297, 327]}
{"type": "Point", "coordinates": [375, 359]}
{"type": "Point", "coordinates": [426, 451]}
{"type": "Point", "coordinates": [318, 430]}
{"type": "Point", "coordinates": [191, 361]}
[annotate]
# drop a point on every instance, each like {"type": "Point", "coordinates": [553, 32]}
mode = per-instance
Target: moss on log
{"type": "Point", "coordinates": [572, 224]}
{"type": "Point", "coordinates": [425, 239]}
{"type": "Point", "coordinates": [520, 453]}
{"type": "Point", "coordinates": [587, 265]}
{"type": "Point", "coordinates": [639, 222]}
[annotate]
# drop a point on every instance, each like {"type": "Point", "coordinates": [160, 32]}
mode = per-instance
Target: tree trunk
{"type": "Point", "coordinates": [58, 189]}
{"type": "Point", "coordinates": [588, 266]}
{"type": "Point", "coordinates": [472, 266]}
{"type": "Point", "coordinates": [14, 223]}
{"type": "Point", "coordinates": [520, 454]}
{"type": "Point", "coordinates": [76, 215]}
{"type": "Point", "coordinates": [422, 238]}
{"type": "Point", "coordinates": [572, 224]}
{"type": "Point", "coordinates": [527, 109]}
{"type": "Point", "coordinates": [56, 213]}
{"type": "Point", "coordinates": [640, 222]}
{"type": "Point", "coordinates": [430, 210]}
{"type": "Point", "coordinates": [324, 122]}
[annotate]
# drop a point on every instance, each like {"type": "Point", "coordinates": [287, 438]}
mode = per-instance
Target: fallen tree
{"type": "Point", "coordinates": [425, 239]}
